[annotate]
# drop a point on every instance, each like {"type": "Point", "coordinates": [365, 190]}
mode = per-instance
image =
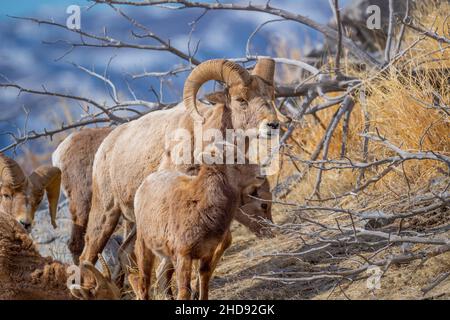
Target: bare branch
{"type": "Point", "coordinates": [325, 30]}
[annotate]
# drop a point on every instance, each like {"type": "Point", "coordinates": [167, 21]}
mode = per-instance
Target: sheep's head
{"type": "Point", "coordinates": [256, 207]}
{"type": "Point", "coordinates": [101, 286]}
{"type": "Point", "coordinates": [256, 210]}
{"type": "Point", "coordinates": [249, 97]}
{"type": "Point", "coordinates": [242, 177]}
{"type": "Point", "coordinates": [20, 195]}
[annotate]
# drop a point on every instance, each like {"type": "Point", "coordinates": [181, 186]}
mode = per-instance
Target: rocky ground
{"type": "Point", "coordinates": [53, 242]}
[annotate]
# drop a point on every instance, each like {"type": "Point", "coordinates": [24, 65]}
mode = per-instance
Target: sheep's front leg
{"type": "Point", "coordinates": [183, 272]}
{"type": "Point", "coordinates": [79, 209]}
{"type": "Point", "coordinates": [164, 275]}
{"type": "Point", "coordinates": [144, 259]}
{"type": "Point", "coordinates": [218, 253]}
{"type": "Point", "coordinates": [101, 225]}
{"type": "Point", "coordinates": [205, 272]}
{"type": "Point", "coordinates": [126, 257]}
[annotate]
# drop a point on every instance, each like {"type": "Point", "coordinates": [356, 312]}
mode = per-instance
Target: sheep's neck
{"type": "Point", "coordinates": [219, 198]}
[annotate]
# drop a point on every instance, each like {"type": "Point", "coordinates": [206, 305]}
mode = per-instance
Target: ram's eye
{"type": "Point", "coordinates": [7, 196]}
{"type": "Point", "coordinates": [241, 101]}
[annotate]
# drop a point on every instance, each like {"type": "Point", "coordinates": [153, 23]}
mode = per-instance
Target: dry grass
{"type": "Point", "coordinates": [234, 278]}
{"type": "Point", "coordinates": [399, 109]}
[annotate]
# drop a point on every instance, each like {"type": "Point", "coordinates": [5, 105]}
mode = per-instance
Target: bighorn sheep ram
{"type": "Point", "coordinates": [26, 275]}
{"type": "Point", "coordinates": [182, 218]}
{"type": "Point", "coordinates": [127, 155]}
{"type": "Point", "coordinates": [21, 195]}
{"type": "Point", "coordinates": [75, 157]}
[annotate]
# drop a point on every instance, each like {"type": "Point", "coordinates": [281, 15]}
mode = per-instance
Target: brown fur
{"type": "Point", "coordinates": [256, 210]}
{"type": "Point", "coordinates": [183, 218]}
{"type": "Point", "coordinates": [25, 274]}
{"type": "Point", "coordinates": [75, 157]}
{"type": "Point", "coordinates": [253, 213]}
{"type": "Point", "coordinates": [127, 155]}
{"type": "Point", "coordinates": [21, 200]}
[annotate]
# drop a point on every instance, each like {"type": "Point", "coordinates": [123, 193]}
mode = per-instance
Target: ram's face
{"type": "Point", "coordinates": [20, 195]}
{"type": "Point", "coordinates": [19, 204]}
{"type": "Point", "coordinates": [252, 107]}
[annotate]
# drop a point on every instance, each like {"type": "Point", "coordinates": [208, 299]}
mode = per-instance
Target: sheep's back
{"type": "Point", "coordinates": [75, 157]}
{"type": "Point", "coordinates": [130, 153]}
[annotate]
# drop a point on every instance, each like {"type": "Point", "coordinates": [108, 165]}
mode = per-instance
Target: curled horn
{"type": "Point", "coordinates": [99, 277]}
{"type": "Point", "coordinates": [265, 69]}
{"type": "Point", "coordinates": [221, 70]}
{"type": "Point", "coordinates": [104, 288]}
{"type": "Point", "coordinates": [105, 268]}
{"type": "Point", "coordinates": [49, 179]}
{"type": "Point", "coordinates": [79, 292]}
{"type": "Point", "coordinates": [10, 172]}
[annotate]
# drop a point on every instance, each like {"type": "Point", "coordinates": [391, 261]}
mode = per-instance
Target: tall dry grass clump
{"type": "Point", "coordinates": [407, 105]}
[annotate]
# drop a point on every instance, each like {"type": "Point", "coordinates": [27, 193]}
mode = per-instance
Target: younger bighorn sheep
{"type": "Point", "coordinates": [26, 275]}
{"type": "Point", "coordinates": [75, 157]}
{"type": "Point", "coordinates": [252, 213]}
{"type": "Point", "coordinates": [182, 218]}
{"type": "Point", "coordinates": [21, 195]}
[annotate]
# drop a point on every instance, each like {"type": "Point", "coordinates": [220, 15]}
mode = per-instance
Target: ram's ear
{"type": "Point", "coordinates": [49, 179]}
{"type": "Point", "coordinates": [219, 97]}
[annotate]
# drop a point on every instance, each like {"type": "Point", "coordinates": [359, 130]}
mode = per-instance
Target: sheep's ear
{"type": "Point", "coordinates": [49, 179]}
{"type": "Point", "coordinates": [265, 69]}
{"type": "Point", "coordinates": [217, 97]}
{"type": "Point", "coordinates": [250, 191]}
